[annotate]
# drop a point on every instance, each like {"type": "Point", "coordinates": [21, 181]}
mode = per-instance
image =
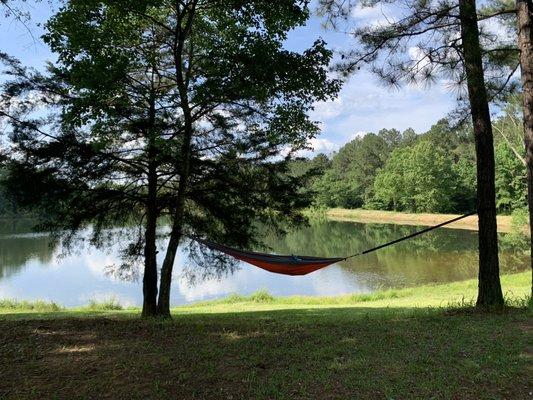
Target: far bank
{"type": "Point", "coordinates": [391, 217]}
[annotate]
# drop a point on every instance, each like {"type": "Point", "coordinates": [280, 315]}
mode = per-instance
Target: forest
{"type": "Point", "coordinates": [431, 172]}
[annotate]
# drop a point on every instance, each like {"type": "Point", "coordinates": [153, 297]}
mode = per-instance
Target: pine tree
{"type": "Point", "coordinates": [524, 10]}
{"type": "Point", "coordinates": [433, 39]}
{"type": "Point", "coordinates": [187, 111]}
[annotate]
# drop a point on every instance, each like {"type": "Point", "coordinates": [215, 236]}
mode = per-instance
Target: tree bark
{"type": "Point", "coordinates": [150, 248]}
{"type": "Point", "coordinates": [163, 304]}
{"type": "Point", "coordinates": [150, 260]}
{"type": "Point", "coordinates": [182, 79]}
{"type": "Point", "coordinates": [524, 9]}
{"type": "Point", "coordinates": [490, 292]}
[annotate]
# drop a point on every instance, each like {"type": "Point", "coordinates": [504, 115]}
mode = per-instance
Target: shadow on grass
{"type": "Point", "coordinates": [364, 353]}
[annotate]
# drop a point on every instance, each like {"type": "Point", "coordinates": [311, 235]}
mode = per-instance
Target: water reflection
{"type": "Point", "coordinates": [19, 245]}
{"type": "Point", "coordinates": [31, 269]}
{"type": "Point", "coordinates": [442, 255]}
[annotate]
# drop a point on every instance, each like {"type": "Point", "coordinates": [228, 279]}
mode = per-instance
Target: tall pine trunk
{"type": "Point", "coordinates": [524, 9]}
{"type": "Point", "coordinates": [490, 292]}
{"type": "Point", "coordinates": [182, 79]}
{"type": "Point", "coordinates": [150, 247]}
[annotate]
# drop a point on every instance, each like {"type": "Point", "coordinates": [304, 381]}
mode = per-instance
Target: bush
{"type": "Point", "coordinates": [106, 305]}
{"type": "Point", "coordinates": [24, 305]}
{"type": "Point", "coordinates": [262, 296]}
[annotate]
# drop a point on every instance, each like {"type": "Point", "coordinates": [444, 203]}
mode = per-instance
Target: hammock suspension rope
{"type": "Point", "coordinates": [302, 265]}
{"type": "Point", "coordinates": [411, 235]}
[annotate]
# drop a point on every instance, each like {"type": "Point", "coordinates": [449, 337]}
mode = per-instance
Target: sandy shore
{"type": "Point", "coordinates": [391, 217]}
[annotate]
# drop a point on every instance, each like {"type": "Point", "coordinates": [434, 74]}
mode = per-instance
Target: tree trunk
{"type": "Point", "coordinates": [490, 292]}
{"type": "Point", "coordinates": [163, 304]}
{"type": "Point", "coordinates": [150, 262]}
{"type": "Point", "coordinates": [182, 78]}
{"type": "Point", "coordinates": [150, 248]}
{"type": "Point", "coordinates": [524, 9]}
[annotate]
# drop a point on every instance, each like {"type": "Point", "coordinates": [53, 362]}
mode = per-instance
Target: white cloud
{"type": "Point", "coordinates": [322, 145]}
{"type": "Point", "coordinates": [356, 135]}
{"type": "Point", "coordinates": [377, 15]}
{"type": "Point", "coordinates": [327, 109]}
{"type": "Point", "coordinates": [368, 106]}
{"type": "Point", "coordinates": [415, 53]}
{"type": "Point", "coordinates": [97, 263]}
{"type": "Point", "coordinates": [206, 289]}
{"type": "Point", "coordinates": [493, 26]}
{"type": "Point", "coordinates": [319, 145]}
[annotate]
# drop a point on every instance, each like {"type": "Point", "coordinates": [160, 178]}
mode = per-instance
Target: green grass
{"type": "Point", "coordinates": [107, 305]}
{"type": "Point", "coordinates": [9, 305]}
{"type": "Point", "coordinates": [516, 289]}
{"type": "Point", "coordinates": [414, 343]}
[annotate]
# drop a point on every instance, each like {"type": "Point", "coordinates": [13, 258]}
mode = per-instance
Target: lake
{"type": "Point", "coordinates": [33, 267]}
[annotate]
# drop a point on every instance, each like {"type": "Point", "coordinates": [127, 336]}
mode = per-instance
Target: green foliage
{"type": "Point", "coordinates": [25, 305]}
{"type": "Point", "coordinates": [333, 190]}
{"type": "Point", "coordinates": [464, 197]}
{"type": "Point", "coordinates": [511, 185]}
{"type": "Point", "coordinates": [520, 218]}
{"type": "Point", "coordinates": [348, 183]}
{"type": "Point", "coordinates": [431, 172]}
{"type": "Point", "coordinates": [261, 296]}
{"type": "Point", "coordinates": [418, 179]}
{"type": "Point", "coordinates": [111, 304]}
{"type": "Point", "coordinates": [517, 239]}
{"type": "Point", "coordinates": [139, 91]}
{"type": "Point", "coordinates": [8, 207]}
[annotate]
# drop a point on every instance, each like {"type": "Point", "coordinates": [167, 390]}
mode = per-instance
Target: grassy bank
{"type": "Point", "coordinates": [383, 345]}
{"type": "Point", "coordinates": [516, 288]}
{"type": "Point", "coordinates": [391, 217]}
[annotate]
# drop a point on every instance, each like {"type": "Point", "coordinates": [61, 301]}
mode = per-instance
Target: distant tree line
{"type": "Point", "coordinates": [430, 172]}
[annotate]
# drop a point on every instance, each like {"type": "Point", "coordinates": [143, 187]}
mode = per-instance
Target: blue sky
{"type": "Point", "coordinates": [364, 104]}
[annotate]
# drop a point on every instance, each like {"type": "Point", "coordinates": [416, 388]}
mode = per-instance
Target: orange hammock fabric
{"type": "Point", "coordinates": [278, 264]}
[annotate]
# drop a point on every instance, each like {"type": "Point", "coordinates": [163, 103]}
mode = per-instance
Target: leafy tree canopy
{"type": "Point", "coordinates": [190, 111]}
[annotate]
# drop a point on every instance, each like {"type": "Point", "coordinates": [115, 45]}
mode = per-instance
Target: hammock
{"type": "Point", "coordinates": [287, 265]}
{"type": "Point", "coordinates": [301, 265]}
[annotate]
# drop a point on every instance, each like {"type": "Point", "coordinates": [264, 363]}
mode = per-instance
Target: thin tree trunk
{"type": "Point", "coordinates": [150, 259]}
{"type": "Point", "coordinates": [150, 248]}
{"type": "Point", "coordinates": [182, 78]}
{"type": "Point", "coordinates": [490, 292]}
{"type": "Point", "coordinates": [524, 9]}
{"type": "Point", "coordinates": [163, 304]}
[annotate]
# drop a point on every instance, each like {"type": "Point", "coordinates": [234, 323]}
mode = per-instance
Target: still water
{"type": "Point", "coordinates": [33, 267]}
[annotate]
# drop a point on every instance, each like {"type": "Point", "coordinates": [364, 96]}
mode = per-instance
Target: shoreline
{"type": "Point", "coordinates": [424, 219]}
{"type": "Point", "coordinates": [516, 288]}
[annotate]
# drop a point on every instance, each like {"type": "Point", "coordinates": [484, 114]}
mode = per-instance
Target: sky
{"type": "Point", "coordinates": [364, 104]}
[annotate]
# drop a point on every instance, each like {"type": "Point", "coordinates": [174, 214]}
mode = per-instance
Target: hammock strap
{"type": "Point", "coordinates": [411, 235]}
